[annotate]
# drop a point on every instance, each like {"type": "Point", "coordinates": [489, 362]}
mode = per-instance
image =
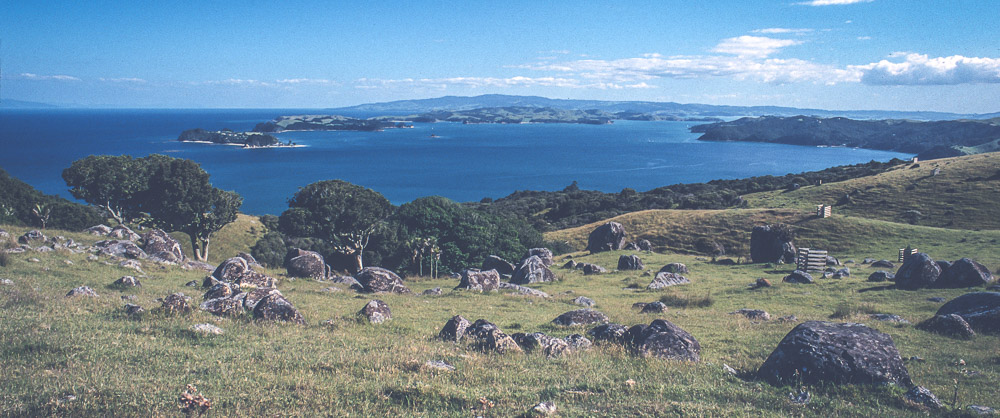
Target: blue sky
{"type": "Point", "coordinates": [832, 54]}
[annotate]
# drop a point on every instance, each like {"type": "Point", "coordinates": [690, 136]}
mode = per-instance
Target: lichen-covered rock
{"type": "Point", "coordinates": [881, 276]}
{"type": "Point", "coordinates": [678, 268]}
{"type": "Point", "coordinates": [663, 280]}
{"type": "Point", "coordinates": [980, 309]}
{"type": "Point", "coordinates": [523, 290]}
{"type": "Point", "coordinates": [645, 245]}
{"type": "Point", "coordinates": [840, 353]}
{"type": "Point", "coordinates": [580, 317]}
{"type": "Point", "coordinates": [503, 267]}
{"type": "Point", "coordinates": [481, 281]}
{"type": "Point", "coordinates": [570, 265]}
{"type": "Point", "coordinates": [753, 314]}
{"type": "Point", "coordinates": [544, 254]}
{"type": "Point", "coordinates": [922, 396]}
{"type": "Point", "coordinates": [276, 308]}
{"type": "Point", "coordinates": [377, 280]}
{"type": "Point", "coordinates": [965, 273]}
{"type": "Point", "coordinates": [654, 307]}
{"type": "Point", "coordinates": [98, 230]}
{"type": "Point", "coordinates": [197, 265]}
{"type": "Point", "coordinates": [607, 237]}
{"type": "Point", "coordinates": [454, 329]}
{"type": "Point", "coordinates": [798, 276]}
{"type": "Point", "coordinates": [630, 262]}
{"type": "Point", "coordinates": [302, 263]}
{"type": "Point", "coordinates": [255, 296]}
{"type": "Point", "coordinates": [532, 270]}
{"type": "Point", "coordinates": [116, 248]}
{"type": "Point", "coordinates": [82, 291]}
{"type": "Point", "coordinates": [227, 306]}
{"type": "Point", "coordinates": [125, 282]}
{"type": "Point", "coordinates": [231, 269]}
{"type": "Point", "coordinates": [32, 237]}
{"type": "Point", "coordinates": [663, 339]}
{"type": "Point", "coordinates": [591, 269]}
{"type": "Point", "coordinates": [161, 246]}
{"type": "Point", "coordinates": [131, 310]}
{"type": "Point", "coordinates": [376, 312]}
{"type": "Point", "coordinates": [176, 304]}
{"type": "Point", "coordinates": [206, 329]}
{"type": "Point", "coordinates": [432, 292]}
{"type": "Point", "coordinates": [917, 272]}
{"type": "Point", "coordinates": [584, 301]}
{"type": "Point", "coordinates": [883, 264]}
{"type": "Point", "coordinates": [220, 290]}
{"type": "Point", "coordinates": [123, 232]}
{"type": "Point", "coordinates": [613, 333]}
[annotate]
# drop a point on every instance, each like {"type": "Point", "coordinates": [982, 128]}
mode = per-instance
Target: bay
{"type": "Point", "coordinates": [460, 162]}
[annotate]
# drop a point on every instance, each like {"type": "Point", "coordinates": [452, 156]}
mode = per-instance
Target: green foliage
{"type": "Point", "coordinates": [18, 199]}
{"type": "Point", "coordinates": [110, 182]}
{"type": "Point", "coordinates": [270, 249]}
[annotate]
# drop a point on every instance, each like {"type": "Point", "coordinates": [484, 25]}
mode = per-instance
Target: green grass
{"type": "Point", "coordinates": [54, 347]}
{"type": "Point", "coordinates": [239, 236]}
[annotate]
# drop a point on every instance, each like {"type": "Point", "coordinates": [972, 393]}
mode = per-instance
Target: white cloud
{"type": "Point", "coordinates": [864, 38]}
{"type": "Point", "coordinates": [796, 31]}
{"type": "Point", "coordinates": [919, 69]}
{"type": "Point", "coordinates": [481, 82]}
{"type": "Point", "coordinates": [832, 2]}
{"type": "Point", "coordinates": [753, 46]}
{"type": "Point", "coordinates": [58, 77]}
{"type": "Point", "coordinates": [307, 81]}
{"type": "Point", "coordinates": [123, 80]}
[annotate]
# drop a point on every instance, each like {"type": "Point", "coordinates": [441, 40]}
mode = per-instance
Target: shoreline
{"type": "Point", "coordinates": [244, 145]}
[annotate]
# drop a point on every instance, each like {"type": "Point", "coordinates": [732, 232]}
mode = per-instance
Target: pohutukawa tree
{"type": "Point", "coordinates": [342, 213]}
{"type": "Point", "coordinates": [110, 182]}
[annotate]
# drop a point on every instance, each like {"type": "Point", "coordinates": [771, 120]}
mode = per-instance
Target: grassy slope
{"type": "Point", "coordinates": [232, 239]}
{"type": "Point", "coordinates": [963, 196]}
{"type": "Point", "coordinates": [54, 347]}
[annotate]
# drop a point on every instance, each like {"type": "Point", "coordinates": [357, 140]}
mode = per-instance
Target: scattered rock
{"type": "Point", "coordinates": [276, 308]}
{"type": "Point", "coordinates": [523, 290]}
{"type": "Point", "coordinates": [760, 283]}
{"type": "Point", "coordinates": [832, 261]}
{"type": "Point", "coordinates": [481, 281]}
{"type": "Point", "coordinates": [678, 268]}
{"type": "Point", "coordinates": [591, 269]}
{"type": "Point", "coordinates": [654, 307]}
{"type": "Point", "coordinates": [965, 273]}
{"type": "Point", "coordinates": [7, 282]}
{"type": "Point", "coordinates": [125, 282]}
{"type": "Point", "coordinates": [917, 272]}
{"type": "Point", "coordinates": [231, 269]}
{"type": "Point", "coordinates": [981, 410]}
{"type": "Point", "coordinates": [630, 262]}
{"type": "Point", "coordinates": [175, 304]}
{"type": "Point", "coordinates": [92, 258]}
{"type": "Point", "coordinates": [32, 237]}
{"type": "Point", "coordinates": [936, 299]}
{"type": "Point", "coordinates": [645, 245]}
{"type": "Point", "coordinates": [376, 312]}
{"type": "Point", "coordinates": [980, 309]}
{"type": "Point", "coordinates": [951, 325]}
{"type": "Point", "coordinates": [663, 339]}
{"type": "Point", "coordinates": [570, 265]}
{"type": "Point", "coordinates": [347, 280]}
{"type": "Point", "coordinates": [34, 260]}
{"type": "Point", "coordinates": [131, 264]}
{"type": "Point", "coordinates": [543, 253]}
{"type": "Point", "coordinates": [580, 317]}
{"type": "Point", "coordinates": [439, 365]}
{"type": "Point", "coordinates": [944, 264]}
{"type": "Point", "coordinates": [584, 301]}
{"type": "Point", "coordinates": [133, 310]}
{"type": "Point", "coordinates": [883, 264]}
{"type": "Point", "coordinates": [607, 237]}
{"type": "Point", "coordinates": [255, 296]}
{"type": "Point", "coordinates": [44, 249]}
{"type": "Point", "coordinates": [532, 270]}
{"type": "Point", "coordinates": [788, 318]}
{"type": "Point", "coordinates": [818, 351]}
{"type": "Point", "coordinates": [889, 318]}
{"type": "Point", "coordinates": [503, 267]}
{"type": "Point", "coordinates": [798, 276]}
{"type": "Point", "coordinates": [772, 244]}
{"type": "Point", "coordinates": [488, 337]}
{"type": "Point", "coordinates": [578, 342]}
{"type": "Point", "coordinates": [922, 396]}
{"type": "Point", "coordinates": [753, 314]}
{"type": "Point", "coordinates": [116, 248]}
{"type": "Point", "coordinates": [432, 292]}
{"type": "Point", "coordinates": [302, 263]}
{"type": "Point", "coordinates": [544, 408]}
{"type": "Point", "coordinates": [454, 329]}
{"type": "Point", "coordinates": [881, 276]}
{"type": "Point", "coordinates": [613, 333]}
{"type": "Point", "coordinates": [841, 273]}
{"type": "Point", "coordinates": [631, 247]}
{"type": "Point", "coordinates": [226, 306]}
{"type": "Point", "coordinates": [663, 280]}
{"type": "Point", "coordinates": [82, 291]}
{"type": "Point", "coordinates": [162, 247]}
{"type": "Point", "coordinates": [377, 280]}
{"type": "Point", "coordinates": [123, 232]}
{"type": "Point", "coordinates": [99, 230]}
{"type": "Point", "coordinates": [193, 283]}
{"type": "Point", "coordinates": [206, 329]}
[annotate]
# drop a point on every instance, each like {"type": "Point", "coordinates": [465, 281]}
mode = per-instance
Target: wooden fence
{"type": "Point", "coordinates": [810, 260]}
{"type": "Point", "coordinates": [824, 211]}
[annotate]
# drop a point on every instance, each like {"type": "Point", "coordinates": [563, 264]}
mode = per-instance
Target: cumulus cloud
{"type": "Point", "coordinates": [919, 69]}
{"type": "Point", "coordinates": [58, 77]}
{"type": "Point", "coordinates": [832, 2]}
{"type": "Point", "coordinates": [753, 46]}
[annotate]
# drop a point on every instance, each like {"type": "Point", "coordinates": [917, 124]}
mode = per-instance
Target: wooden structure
{"type": "Point", "coordinates": [824, 211]}
{"type": "Point", "coordinates": [810, 260]}
{"type": "Point", "coordinates": [904, 253]}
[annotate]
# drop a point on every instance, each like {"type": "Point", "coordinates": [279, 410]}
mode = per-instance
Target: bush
{"type": "Point", "coordinates": [270, 250]}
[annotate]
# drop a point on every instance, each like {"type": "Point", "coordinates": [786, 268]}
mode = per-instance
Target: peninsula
{"type": "Point", "coordinates": [326, 123]}
{"type": "Point", "coordinates": [229, 137]}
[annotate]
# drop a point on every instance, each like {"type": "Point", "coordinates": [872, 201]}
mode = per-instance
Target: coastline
{"type": "Point", "coordinates": [244, 145]}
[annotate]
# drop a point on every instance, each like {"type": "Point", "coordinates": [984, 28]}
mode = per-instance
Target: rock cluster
{"type": "Point", "coordinates": [580, 317]}
{"type": "Point", "coordinates": [235, 288]}
{"type": "Point", "coordinates": [486, 336]}
{"type": "Point", "coordinates": [481, 281]}
{"type": "Point", "coordinates": [532, 270]}
{"type": "Point", "coordinates": [503, 267]}
{"type": "Point", "coordinates": [920, 271]}
{"type": "Point", "coordinates": [380, 280]}
{"type": "Point", "coordinates": [161, 247]}
{"type": "Point", "coordinates": [660, 338]}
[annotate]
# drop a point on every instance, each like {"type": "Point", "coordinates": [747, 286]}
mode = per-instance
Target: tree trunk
{"type": "Point", "coordinates": [202, 253]}
{"type": "Point", "coordinates": [358, 262]}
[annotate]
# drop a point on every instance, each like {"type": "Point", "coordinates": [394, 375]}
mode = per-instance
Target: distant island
{"type": "Point", "coordinates": [326, 123]}
{"type": "Point", "coordinates": [229, 137]}
{"type": "Point", "coordinates": [929, 140]}
{"type": "Point", "coordinates": [531, 114]}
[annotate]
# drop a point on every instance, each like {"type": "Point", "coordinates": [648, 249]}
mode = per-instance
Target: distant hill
{"type": "Point", "coordinates": [459, 103]}
{"type": "Point", "coordinates": [932, 139]}
{"type": "Point", "coordinates": [21, 104]}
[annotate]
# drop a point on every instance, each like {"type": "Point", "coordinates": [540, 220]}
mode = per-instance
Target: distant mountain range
{"type": "Point", "coordinates": [662, 109]}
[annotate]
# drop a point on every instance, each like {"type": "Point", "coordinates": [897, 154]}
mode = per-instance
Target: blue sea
{"type": "Point", "coordinates": [460, 162]}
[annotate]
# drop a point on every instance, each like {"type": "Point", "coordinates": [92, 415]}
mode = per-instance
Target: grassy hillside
{"type": "Point", "coordinates": [232, 239]}
{"type": "Point", "coordinates": [69, 356]}
{"type": "Point", "coordinates": [963, 195]}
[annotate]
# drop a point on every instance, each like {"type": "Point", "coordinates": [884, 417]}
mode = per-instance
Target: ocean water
{"type": "Point", "coordinates": [460, 162]}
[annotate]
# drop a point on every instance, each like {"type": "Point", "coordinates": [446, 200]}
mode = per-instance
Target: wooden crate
{"type": "Point", "coordinates": [824, 211]}
{"type": "Point", "coordinates": [810, 260]}
{"type": "Point", "coordinates": [903, 253]}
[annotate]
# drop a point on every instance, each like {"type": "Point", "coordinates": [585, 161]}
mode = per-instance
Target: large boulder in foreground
{"type": "Point", "coordinates": [772, 244]}
{"type": "Point", "coordinates": [161, 246]}
{"type": "Point", "coordinates": [483, 281]}
{"type": "Point", "coordinates": [302, 263]}
{"type": "Point", "coordinates": [532, 270]}
{"type": "Point", "coordinates": [664, 339]}
{"type": "Point", "coordinates": [917, 272]}
{"type": "Point", "coordinates": [378, 280]}
{"type": "Point", "coordinates": [826, 352]}
{"type": "Point", "coordinates": [607, 237]}
{"type": "Point", "coordinates": [500, 265]}
{"type": "Point", "coordinates": [964, 273]}
{"type": "Point", "coordinates": [980, 309]}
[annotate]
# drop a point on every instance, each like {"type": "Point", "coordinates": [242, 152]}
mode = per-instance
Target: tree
{"type": "Point", "coordinates": [343, 213]}
{"type": "Point", "coordinates": [109, 182]}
